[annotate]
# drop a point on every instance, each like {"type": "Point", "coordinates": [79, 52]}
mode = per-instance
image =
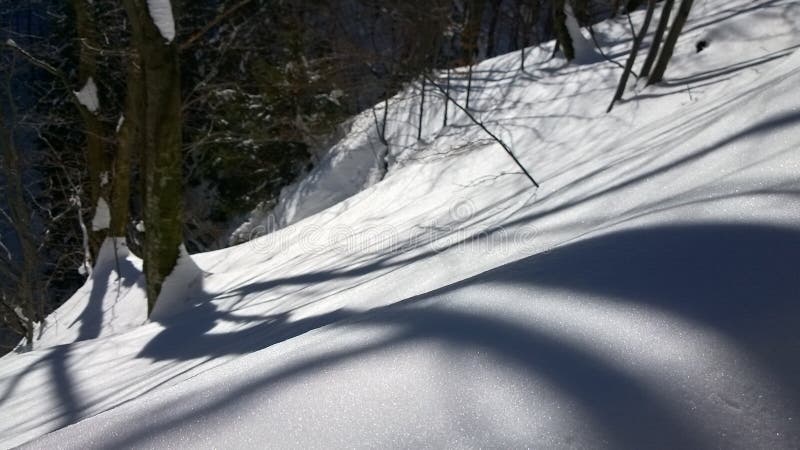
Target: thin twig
{"type": "Point", "coordinates": [480, 124]}
{"type": "Point", "coordinates": [216, 21]}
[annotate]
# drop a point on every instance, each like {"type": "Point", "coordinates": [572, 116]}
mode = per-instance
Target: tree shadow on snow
{"type": "Point", "coordinates": [737, 279]}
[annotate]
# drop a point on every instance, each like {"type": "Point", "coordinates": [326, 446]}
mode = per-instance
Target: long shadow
{"type": "Point", "coordinates": [613, 399]}
{"type": "Point", "coordinates": [189, 337]}
{"type": "Point", "coordinates": [772, 123]}
{"type": "Point", "coordinates": [91, 318]}
{"type": "Point", "coordinates": [90, 322]}
{"type": "Point", "coordinates": [742, 280]}
{"type": "Point", "coordinates": [732, 68]}
{"type": "Point", "coordinates": [738, 279]}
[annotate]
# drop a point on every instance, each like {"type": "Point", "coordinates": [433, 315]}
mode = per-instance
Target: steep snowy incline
{"type": "Point", "coordinates": [644, 297]}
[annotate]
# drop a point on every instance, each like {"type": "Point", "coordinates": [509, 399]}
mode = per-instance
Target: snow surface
{"type": "Point", "coordinates": [112, 300]}
{"type": "Point", "coordinates": [161, 13]}
{"type": "Point", "coordinates": [355, 163]}
{"type": "Point", "coordinates": [102, 214]}
{"type": "Point", "coordinates": [585, 52]}
{"type": "Point", "coordinates": [87, 96]}
{"type": "Point", "coordinates": [645, 296]}
{"type": "Point", "coordinates": [179, 288]}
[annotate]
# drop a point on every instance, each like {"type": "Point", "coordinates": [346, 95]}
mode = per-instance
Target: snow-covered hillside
{"type": "Point", "coordinates": [645, 296]}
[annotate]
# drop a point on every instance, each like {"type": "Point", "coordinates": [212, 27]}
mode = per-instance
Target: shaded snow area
{"type": "Point", "coordinates": [355, 163]}
{"type": "Point", "coordinates": [646, 296]}
{"type": "Point", "coordinates": [112, 300]}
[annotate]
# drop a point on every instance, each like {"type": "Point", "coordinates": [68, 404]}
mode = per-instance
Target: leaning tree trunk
{"type": "Point", "coordinates": [161, 153]}
{"type": "Point", "coordinates": [669, 44]}
{"type": "Point", "coordinates": [637, 42]}
{"type": "Point", "coordinates": [96, 160]}
{"type": "Point", "coordinates": [663, 21]}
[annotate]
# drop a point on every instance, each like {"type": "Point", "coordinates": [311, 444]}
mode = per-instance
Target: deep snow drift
{"type": "Point", "coordinates": [645, 296]}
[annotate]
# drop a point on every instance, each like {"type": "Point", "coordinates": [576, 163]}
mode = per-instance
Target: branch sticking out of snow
{"type": "Point", "coordinates": [87, 96]}
{"type": "Point", "coordinates": [161, 13]}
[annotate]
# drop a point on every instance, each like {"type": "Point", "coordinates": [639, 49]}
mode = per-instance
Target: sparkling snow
{"type": "Point", "coordinates": [645, 297]}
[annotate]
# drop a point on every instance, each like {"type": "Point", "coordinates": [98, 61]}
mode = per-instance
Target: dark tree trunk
{"type": "Point", "coordinates": [446, 95]}
{"type": "Point", "coordinates": [26, 282]}
{"type": "Point", "coordinates": [491, 32]}
{"type": "Point", "coordinates": [564, 41]}
{"type": "Point", "coordinates": [669, 43]}
{"type": "Point", "coordinates": [421, 108]}
{"type": "Point", "coordinates": [130, 139]}
{"type": "Point", "coordinates": [470, 37]}
{"type": "Point", "coordinates": [469, 84]}
{"type": "Point", "coordinates": [637, 42]}
{"type": "Point", "coordinates": [385, 118]}
{"type": "Point", "coordinates": [658, 36]}
{"type": "Point", "coordinates": [96, 160]}
{"type": "Point", "coordinates": [163, 190]}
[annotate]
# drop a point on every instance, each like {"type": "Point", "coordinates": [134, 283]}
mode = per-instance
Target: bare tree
{"type": "Point", "coordinates": [19, 216]}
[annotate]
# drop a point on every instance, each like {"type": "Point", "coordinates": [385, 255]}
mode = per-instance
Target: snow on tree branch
{"type": "Point", "coordinates": [161, 13]}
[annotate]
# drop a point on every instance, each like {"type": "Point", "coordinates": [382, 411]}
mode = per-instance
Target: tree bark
{"type": "Point", "coordinates": [490, 35]}
{"type": "Point", "coordinates": [562, 34]}
{"type": "Point", "coordinates": [130, 138]}
{"type": "Point", "coordinates": [446, 94]}
{"type": "Point", "coordinates": [470, 36]}
{"type": "Point", "coordinates": [669, 43]}
{"type": "Point", "coordinates": [96, 160]}
{"type": "Point", "coordinates": [658, 36]}
{"type": "Point", "coordinates": [27, 295]}
{"type": "Point", "coordinates": [163, 209]}
{"type": "Point", "coordinates": [637, 42]}
{"type": "Point", "coordinates": [421, 108]}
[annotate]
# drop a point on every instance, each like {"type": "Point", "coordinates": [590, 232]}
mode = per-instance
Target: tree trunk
{"type": "Point", "coordinates": [26, 285]}
{"type": "Point", "coordinates": [130, 139]}
{"type": "Point", "coordinates": [470, 36]}
{"type": "Point", "coordinates": [385, 119]}
{"type": "Point", "coordinates": [658, 36]}
{"type": "Point", "coordinates": [447, 94]}
{"type": "Point", "coordinates": [669, 44]}
{"type": "Point", "coordinates": [563, 39]}
{"type": "Point", "coordinates": [161, 154]}
{"type": "Point", "coordinates": [490, 35]}
{"type": "Point", "coordinates": [421, 108]}
{"type": "Point", "coordinates": [469, 84]}
{"type": "Point", "coordinates": [96, 160]}
{"type": "Point", "coordinates": [528, 12]}
{"type": "Point", "coordinates": [637, 42]}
